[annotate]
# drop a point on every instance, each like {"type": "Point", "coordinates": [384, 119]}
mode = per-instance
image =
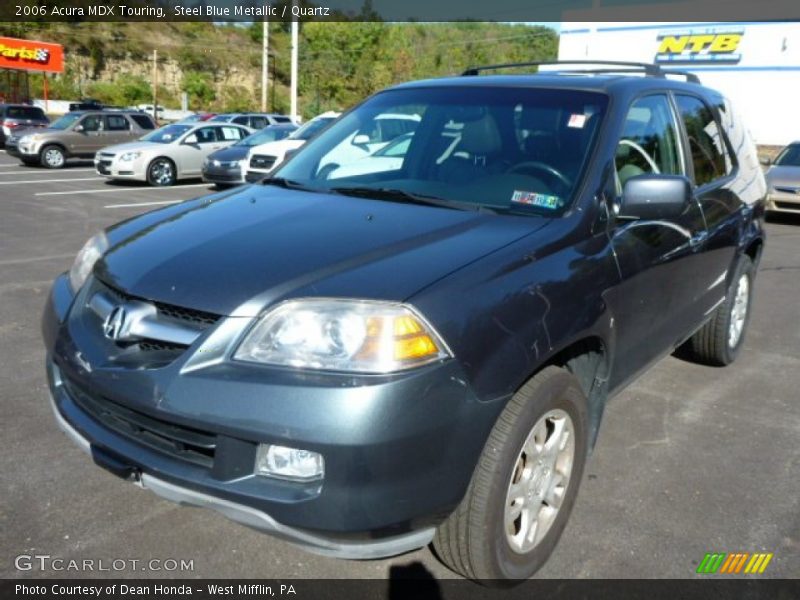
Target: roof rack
{"type": "Point", "coordinates": [649, 69]}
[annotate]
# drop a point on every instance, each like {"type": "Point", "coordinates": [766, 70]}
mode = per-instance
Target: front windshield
{"type": "Point", "coordinates": [65, 122]}
{"type": "Point", "coordinates": [167, 134]}
{"type": "Point", "coordinates": [520, 150]}
{"type": "Point", "coordinates": [270, 134]}
{"type": "Point", "coordinates": [789, 157]}
{"type": "Point", "coordinates": [310, 129]}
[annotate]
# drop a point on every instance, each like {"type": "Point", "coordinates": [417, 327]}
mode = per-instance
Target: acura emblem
{"type": "Point", "coordinates": [114, 323]}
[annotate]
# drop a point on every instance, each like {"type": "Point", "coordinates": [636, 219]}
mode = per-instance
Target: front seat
{"type": "Point", "coordinates": [477, 153]}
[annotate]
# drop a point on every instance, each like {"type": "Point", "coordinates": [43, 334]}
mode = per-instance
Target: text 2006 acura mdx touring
{"type": "Point", "coordinates": [364, 365]}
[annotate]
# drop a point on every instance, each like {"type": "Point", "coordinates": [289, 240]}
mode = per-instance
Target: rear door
{"type": "Point", "coordinates": [712, 168]}
{"type": "Point", "coordinates": [658, 259]}
{"type": "Point", "coordinates": [117, 129]}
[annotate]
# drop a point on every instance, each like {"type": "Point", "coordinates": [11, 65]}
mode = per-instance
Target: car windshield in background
{"type": "Point", "coordinates": [263, 137]}
{"type": "Point", "coordinates": [471, 147]}
{"type": "Point", "coordinates": [167, 135]}
{"type": "Point", "coordinates": [64, 122]}
{"type": "Point", "coordinates": [24, 112]}
{"type": "Point", "coordinates": [310, 129]}
{"type": "Point", "coordinates": [790, 157]}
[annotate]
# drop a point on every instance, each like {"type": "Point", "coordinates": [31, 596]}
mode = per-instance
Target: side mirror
{"type": "Point", "coordinates": [765, 160]}
{"type": "Point", "coordinates": [361, 139]}
{"type": "Point", "coordinates": [78, 128]}
{"type": "Point", "coordinates": [654, 197]}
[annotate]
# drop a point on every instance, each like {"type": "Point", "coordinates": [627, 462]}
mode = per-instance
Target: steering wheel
{"type": "Point", "coordinates": [643, 152]}
{"type": "Point", "coordinates": [535, 165]}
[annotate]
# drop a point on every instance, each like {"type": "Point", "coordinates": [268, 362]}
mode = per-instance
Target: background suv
{"type": "Point", "coordinates": [15, 118]}
{"type": "Point", "coordinates": [79, 134]}
{"type": "Point", "coordinates": [253, 120]}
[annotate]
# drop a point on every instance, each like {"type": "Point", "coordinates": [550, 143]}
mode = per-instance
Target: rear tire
{"type": "Point", "coordinates": [52, 157]}
{"type": "Point", "coordinates": [524, 486]}
{"type": "Point", "coordinates": [161, 172]}
{"type": "Point", "coordinates": [718, 342]}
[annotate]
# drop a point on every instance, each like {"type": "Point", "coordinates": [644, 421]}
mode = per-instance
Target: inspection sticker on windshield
{"type": "Point", "coordinates": [577, 121]}
{"type": "Point", "coordinates": [536, 199]}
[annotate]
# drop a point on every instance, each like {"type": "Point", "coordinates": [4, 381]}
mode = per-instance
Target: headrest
{"type": "Point", "coordinates": [481, 137]}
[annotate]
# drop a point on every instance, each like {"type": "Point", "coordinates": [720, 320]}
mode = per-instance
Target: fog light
{"type": "Point", "coordinates": [289, 463]}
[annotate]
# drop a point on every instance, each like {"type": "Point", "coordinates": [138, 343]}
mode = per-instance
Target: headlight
{"type": "Point", "coordinates": [130, 156]}
{"type": "Point", "coordinates": [84, 261]}
{"type": "Point", "coordinates": [29, 139]}
{"type": "Point", "coordinates": [361, 336]}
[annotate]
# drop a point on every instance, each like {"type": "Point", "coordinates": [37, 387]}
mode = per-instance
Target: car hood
{"type": "Point", "coordinates": [778, 175]}
{"type": "Point", "coordinates": [277, 148]}
{"type": "Point", "coordinates": [237, 252]}
{"type": "Point", "coordinates": [230, 153]}
{"type": "Point", "coordinates": [138, 146]}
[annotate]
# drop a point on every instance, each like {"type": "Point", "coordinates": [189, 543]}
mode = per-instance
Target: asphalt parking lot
{"type": "Point", "coordinates": [690, 459]}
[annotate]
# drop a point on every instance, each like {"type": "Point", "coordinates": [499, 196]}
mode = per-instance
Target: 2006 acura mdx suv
{"type": "Point", "coordinates": [363, 365]}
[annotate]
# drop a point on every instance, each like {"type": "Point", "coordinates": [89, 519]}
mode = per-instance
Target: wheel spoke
{"type": "Point", "coordinates": [555, 490]}
{"type": "Point", "coordinates": [553, 443]}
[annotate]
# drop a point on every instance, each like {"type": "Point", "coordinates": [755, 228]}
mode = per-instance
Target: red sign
{"type": "Point", "coordinates": [30, 55]}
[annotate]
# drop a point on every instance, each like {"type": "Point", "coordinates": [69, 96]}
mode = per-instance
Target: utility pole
{"type": "Point", "coordinates": [155, 85]}
{"type": "Point", "coordinates": [264, 64]}
{"type": "Point", "coordinates": [294, 71]}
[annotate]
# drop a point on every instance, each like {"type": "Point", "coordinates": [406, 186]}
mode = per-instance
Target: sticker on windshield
{"type": "Point", "coordinates": [536, 199]}
{"type": "Point", "coordinates": [577, 121]}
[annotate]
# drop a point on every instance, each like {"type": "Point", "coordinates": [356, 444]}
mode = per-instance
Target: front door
{"type": "Point", "coordinates": [657, 259]}
{"type": "Point", "coordinates": [89, 140]}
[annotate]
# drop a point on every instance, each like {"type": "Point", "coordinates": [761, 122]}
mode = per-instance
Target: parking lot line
{"type": "Point", "coordinates": [128, 189]}
{"type": "Point", "coordinates": [48, 180]}
{"type": "Point", "coordinates": [29, 172]}
{"type": "Point", "coordinates": [142, 204]}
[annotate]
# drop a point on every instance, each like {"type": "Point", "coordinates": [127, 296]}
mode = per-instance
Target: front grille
{"type": "Point", "coordinates": [184, 443]}
{"type": "Point", "coordinates": [788, 189]}
{"type": "Point", "coordinates": [178, 313]}
{"type": "Point", "coordinates": [262, 161]}
{"type": "Point", "coordinates": [788, 205]}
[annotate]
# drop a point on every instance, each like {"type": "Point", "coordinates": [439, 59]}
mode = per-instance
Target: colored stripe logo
{"type": "Point", "coordinates": [734, 563]}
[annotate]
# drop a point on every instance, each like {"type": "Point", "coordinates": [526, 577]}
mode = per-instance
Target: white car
{"type": "Point", "coordinates": [168, 154]}
{"type": "Point", "coordinates": [388, 158]}
{"type": "Point", "coordinates": [381, 131]}
{"type": "Point", "coordinates": [261, 160]}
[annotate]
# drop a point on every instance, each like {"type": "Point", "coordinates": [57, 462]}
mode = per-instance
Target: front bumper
{"type": "Point", "coordinates": [116, 169]}
{"type": "Point", "coordinates": [399, 450]}
{"type": "Point", "coordinates": [778, 201]}
{"type": "Point", "coordinates": [223, 175]}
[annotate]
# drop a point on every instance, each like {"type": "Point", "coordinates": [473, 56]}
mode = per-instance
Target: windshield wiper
{"type": "Point", "coordinates": [290, 184]}
{"type": "Point", "coordinates": [397, 195]}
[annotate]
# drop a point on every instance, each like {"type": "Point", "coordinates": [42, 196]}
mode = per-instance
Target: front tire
{"type": "Point", "coordinates": [52, 157]}
{"type": "Point", "coordinates": [161, 172]}
{"type": "Point", "coordinates": [718, 342]}
{"type": "Point", "coordinates": [524, 486]}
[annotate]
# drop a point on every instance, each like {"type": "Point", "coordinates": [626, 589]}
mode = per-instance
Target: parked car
{"type": "Point", "coordinates": [366, 365]}
{"type": "Point", "coordinates": [262, 159]}
{"type": "Point", "coordinates": [79, 134]}
{"type": "Point", "coordinates": [388, 158]}
{"type": "Point", "coordinates": [783, 181]}
{"type": "Point", "coordinates": [226, 167]}
{"type": "Point", "coordinates": [168, 154]}
{"type": "Point", "coordinates": [197, 117]}
{"type": "Point", "coordinates": [15, 118]}
{"type": "Point", "coordinates": [252, 120]}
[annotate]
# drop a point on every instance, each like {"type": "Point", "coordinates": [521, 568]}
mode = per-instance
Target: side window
{"type": "Point", "coordinates": [706, 147]}
{"type": "Point", "coordinates": [92, 123]}
{"type": "Point", "coordinates": [258, 122]}
{"type": "Point", "coordinates": [117, 123]}
{"type": "Point", "coordinates": [206, 135]}
{"type": "Point", "coordinates": [240, 120]}
{"type": "Point", "coordinates": [649, 141]}
{"type": "Point", "coordinates": [230, 133]}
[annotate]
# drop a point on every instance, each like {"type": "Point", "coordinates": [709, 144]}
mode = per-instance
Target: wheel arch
{"type": "Point", "coordinates": [59, 145]}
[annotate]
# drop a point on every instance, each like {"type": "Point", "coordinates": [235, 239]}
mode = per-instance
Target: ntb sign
{"type": "Point", "coordinates": [698, 46]}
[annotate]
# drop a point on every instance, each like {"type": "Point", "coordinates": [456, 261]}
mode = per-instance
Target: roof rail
{"type": "Point", "coordinates": [649, 69]}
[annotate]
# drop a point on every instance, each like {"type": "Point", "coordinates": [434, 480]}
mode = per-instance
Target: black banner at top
{"type": "Point", "coordinates": [398, 11]}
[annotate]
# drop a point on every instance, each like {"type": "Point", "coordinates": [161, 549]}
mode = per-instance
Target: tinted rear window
{"type": "Point", "coordinates": [282, 119]}
{"type": "Point", "coordinates": [143, 121]}
{"type": "Point", "coordinates": [24, 112]}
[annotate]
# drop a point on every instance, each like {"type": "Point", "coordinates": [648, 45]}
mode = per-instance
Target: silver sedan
{"type": "Point", "coordinates": [168, 154]}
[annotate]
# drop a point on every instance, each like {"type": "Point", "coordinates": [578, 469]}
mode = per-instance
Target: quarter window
{"type": "Point", "coordinates": [648, 143]}
{"type": "Point", "coordinates": [706, 145]}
